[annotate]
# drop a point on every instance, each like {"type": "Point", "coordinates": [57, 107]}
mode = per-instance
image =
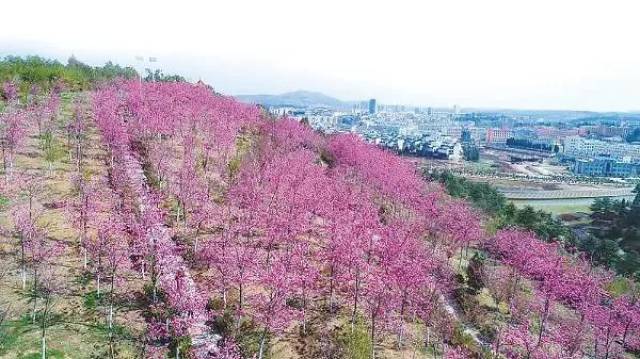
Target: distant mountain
{"type": "Point", "coordinates": [294, 99]}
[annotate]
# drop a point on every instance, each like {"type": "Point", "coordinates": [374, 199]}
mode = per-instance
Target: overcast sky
{"type": "Point", "coordinates": [542, 54]}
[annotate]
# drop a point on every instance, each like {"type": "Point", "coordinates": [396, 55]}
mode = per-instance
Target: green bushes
{"type": "Point", "coordinates": [92, 300]}
{"type": "Point", "coordinates": [245, 333]}
{"type": "Point", "coordinates": [615, 228]}
{"type": "Point", "coordinates": [482, 195]}
{"type": "Point", "coordinates": [35, 70]}
{"type": "Point", "coordinates": [488, 199]}
{"type": "Point", "coordinates": [355, 344]}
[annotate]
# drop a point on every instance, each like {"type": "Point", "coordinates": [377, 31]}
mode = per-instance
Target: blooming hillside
{"type": "Point", "coordinates": [211, 230]}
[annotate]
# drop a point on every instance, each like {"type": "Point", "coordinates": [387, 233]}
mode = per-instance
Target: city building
{"type": "Point", "coordinates": [498, 135]}
{"type": "Point", "coordinates": [553, 133]}
{"type": "Point", "coordinates": [582, 148]}
{"type": "Point", "coordinates": [465, 136]}
{"type": "Point", "coordinates": [372, 106]}
{"type": "Point", "coordinates": [604, 166]}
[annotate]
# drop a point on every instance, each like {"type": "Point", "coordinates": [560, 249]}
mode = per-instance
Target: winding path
{"type": "Point", "coordinates": [174, 270]}
{"type": "Point", "coordinates": [453, 310]}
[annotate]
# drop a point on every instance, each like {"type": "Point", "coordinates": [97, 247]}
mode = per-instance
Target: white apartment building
{"type": "Point", "coordinates": [579, 147]}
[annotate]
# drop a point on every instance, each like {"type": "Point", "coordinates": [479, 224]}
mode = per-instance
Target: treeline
{"type": "Point", "coordinates": [45, 73]}
{"type": "Point", "coordinates": [505, 214]}
{"type": "Point", "coordinates": [481, 194]}
{"type": "Point", "coordinates": [527, 144]}
{"type": "Point", "coordinates": [159, 76]}
{"type": "Point", "coordinates": [471, 153]}
{"type": "Point", "coordinates": [612, 241]}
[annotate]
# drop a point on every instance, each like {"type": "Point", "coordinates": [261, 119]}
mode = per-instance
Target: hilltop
{"type": "Point", "coordinates": [301, 99]}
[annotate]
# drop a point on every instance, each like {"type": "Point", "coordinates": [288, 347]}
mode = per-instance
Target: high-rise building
{"type": "Point", "coordinates": [465, 136]}
{"type": "Point", "coordinates": [372, 106]}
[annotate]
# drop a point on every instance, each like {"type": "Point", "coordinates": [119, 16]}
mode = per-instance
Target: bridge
{"type": "Point", "coordinates": [567, 194]}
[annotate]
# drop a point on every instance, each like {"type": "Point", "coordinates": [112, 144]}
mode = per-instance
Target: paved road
{"type": "Point", "coordinates": [561, 194]}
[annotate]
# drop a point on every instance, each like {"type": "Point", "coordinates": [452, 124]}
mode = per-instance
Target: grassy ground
{"type": "Point", "coordinates": [557, 206]}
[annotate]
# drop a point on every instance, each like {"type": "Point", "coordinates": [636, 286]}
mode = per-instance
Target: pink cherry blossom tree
{"type": "Point", "coordinates": [9, 91]}
{"type": "Point", "coordinates": [12, 133]}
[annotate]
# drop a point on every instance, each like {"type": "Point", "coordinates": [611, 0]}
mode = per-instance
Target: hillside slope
{"type": "Point", "coordinates": [163, 220]}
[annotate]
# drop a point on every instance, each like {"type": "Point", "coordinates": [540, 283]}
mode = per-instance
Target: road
{"type": "Point", "coordinates": [566, 194]}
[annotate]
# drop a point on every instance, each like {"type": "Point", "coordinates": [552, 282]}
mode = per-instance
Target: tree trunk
{"type": "Point", "coordinates": [607, 344]}
{"type": "Point", "coordinates": [514, 289]}
{"type": "Point", "coordinates": [33, 310]}
{"type": "Point", "coordinates": [331, 289]}
{"type": "Point", "coordinates": [355, 302]}
{"type": "Point", "coordinates": [24, 276]}
{"type": "Point", "coordinates": [23, 264]}
{"type": "Point", "coordinates": [43, 349]}
{"type": "Point", "coordinates": [35, 296]}
{"type": "Point", "coordinates": [543, 320]}
{"type": "Point", "coordinates": [304, 321]}
{"type": "Point", "coordinates": [111, 299]}
{"type": "Point", "coordinates": [625, 333]}
{"type": "Point", "coordinates": [44, 326]}
{"type": "Point", "coordinates": [155, 292]}
{"type": "Point", "coordinates": [111, 317]}
{"type": "Point", "coordinates": [373, 336]}
{"type": "Point", "coordinates": [262, 342]}
{"type": "Point", "coordinates": [401, 330]}
{"type": "Point", "coordinates": [239, 307]}
{"type": "Point", "coordinates": [4, 160]}
{"type": "Point", "coordinates": [224, 298]}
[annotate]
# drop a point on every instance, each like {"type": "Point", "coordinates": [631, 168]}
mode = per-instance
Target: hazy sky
{"type": "Point", "coordinates": [553, 54]}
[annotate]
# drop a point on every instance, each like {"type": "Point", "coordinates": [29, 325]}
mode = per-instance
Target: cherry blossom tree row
{"type": "Point", "coordinates": [288, 223]}
{"type": "Point", "coordinates": [37, 255]}
{"type": "Point", "coordinates": [151, 247]}
{"type": "Point", "coordinates": [610, 323]}
{"type": "Point", "coordinates": [269, 222]}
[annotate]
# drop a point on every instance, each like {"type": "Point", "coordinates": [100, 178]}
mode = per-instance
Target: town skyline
{"type": "Point", "coordinates": [496, 54]}
{"type": "Point", "coordinates": [99, 60]}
